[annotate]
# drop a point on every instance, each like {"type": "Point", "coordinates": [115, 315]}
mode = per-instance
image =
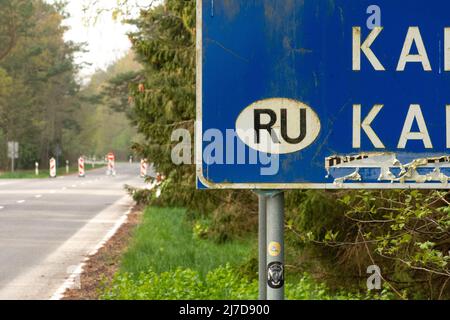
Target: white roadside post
{"type": "Point", "coordinates": [52, 168]}
{"type": "Point", "coordinates": [144, 166]}
{"type": "Point", "coordinates": [81, 169]}
{"type": "Point", "coordinates": [131, 159]}
{"type": "Point", "coordinates": [36, 168]}
{"type": "Point", "coordinates": [67, 166]}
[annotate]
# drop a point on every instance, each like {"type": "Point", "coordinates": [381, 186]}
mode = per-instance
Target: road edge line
{"type": "Point", "coordinates": [70, 281]}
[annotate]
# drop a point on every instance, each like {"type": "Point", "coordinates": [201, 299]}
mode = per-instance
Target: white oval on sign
{"type": "Point", "coordinates": [278, 126]}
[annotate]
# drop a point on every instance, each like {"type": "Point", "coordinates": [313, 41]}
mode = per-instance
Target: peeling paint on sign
{"type": "Point", "coordinates": [355, 176]}
{"type": "Point", "coordinates": [386, 163]}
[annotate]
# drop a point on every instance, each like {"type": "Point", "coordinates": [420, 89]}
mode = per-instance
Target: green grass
{"type": "Point", "coordinates": [165, 242]}
{"type": "Point", "coordinates": [30, 174]}
{"type": "Point", "coordinates": [165, 261]}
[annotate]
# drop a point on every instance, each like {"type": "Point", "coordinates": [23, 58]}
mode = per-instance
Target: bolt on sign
{"type": "Point", "coordinates": [322, 94]}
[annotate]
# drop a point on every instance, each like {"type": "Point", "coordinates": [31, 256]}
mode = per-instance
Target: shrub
{"type": "Point", "coordinates": [406, 233]}
{"type": "Point", "coordinates": [223, 283]}
{"type": "Point", "coordinates": [183, 284]}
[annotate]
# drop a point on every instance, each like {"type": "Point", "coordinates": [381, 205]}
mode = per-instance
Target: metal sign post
{"type": "Point", "coordinates": [12, 163]}
{"type": "Point", "coordinates": [13, 153]}
{"type": "Point", "coordinates": [262, 245]}
{"type": "Point", "coordinates": [271, 244]}
{"type": "Point", "coordinates": [275, 246]}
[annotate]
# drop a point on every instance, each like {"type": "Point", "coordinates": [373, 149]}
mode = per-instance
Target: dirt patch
{"type": "Point", "coordinates": [101, 267]}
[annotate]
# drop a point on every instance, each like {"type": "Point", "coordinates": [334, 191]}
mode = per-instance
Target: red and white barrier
{"type": "Point", "coordinates": [52, 168]}
{"type": "Point", "coordinates": [111, 164]}
{"type": "Point", "coordinates": [144, 167]}
{"type": "Point", "coordinates": [81, 168]}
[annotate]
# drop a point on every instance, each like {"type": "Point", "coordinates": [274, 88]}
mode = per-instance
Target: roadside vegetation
{"type": "Point", "coordinates": [165, 241]}
{"type": "Point", "coordinates": [168, 259]}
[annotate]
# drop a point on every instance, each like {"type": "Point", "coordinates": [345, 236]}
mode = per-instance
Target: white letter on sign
{"type": "Point", "coordinates": [366, 126]}
{"type": "Point", "coordinates": [365, 48]}
{"type": "Point", "coordinates": [415, 113]}
{"type": "Point", "coordinates": [405, 57]}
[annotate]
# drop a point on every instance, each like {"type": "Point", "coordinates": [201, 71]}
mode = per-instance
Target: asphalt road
{"type": "Point", "coordinates": [48, 226]}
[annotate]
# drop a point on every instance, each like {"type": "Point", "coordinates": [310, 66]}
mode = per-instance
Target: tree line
{"type": "Point", "coordinates": [37, 77]}
{"type": "Point", "coordinates": [42, 105]}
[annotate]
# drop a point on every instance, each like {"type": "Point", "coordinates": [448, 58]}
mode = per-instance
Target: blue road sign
{"type": "Point", "coordinates": [323, 94]}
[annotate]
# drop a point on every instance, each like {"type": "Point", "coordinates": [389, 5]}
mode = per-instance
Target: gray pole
{"type": "Point", "coordinates": [13, 156]}
{"type": "Point", "coordinates": [275, 246]}
{"type": "Point", "coordinates": [262, 239]}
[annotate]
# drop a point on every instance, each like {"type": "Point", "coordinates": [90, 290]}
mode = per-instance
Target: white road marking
{"type": "Point", "coordinates": [52, 191]}
{"type": "Point", "coordinates": [2, 207]}
{"type": "Point", "coordinates": [70, 281]}
{"type": "Point", "coordinates": [38, 196]}
{"type": "Point", "coordinates": [74, 186]}
{"type": "Point", "coordinates": [63, 188]}
{"type": "Point", "coordinates": [21, 201]}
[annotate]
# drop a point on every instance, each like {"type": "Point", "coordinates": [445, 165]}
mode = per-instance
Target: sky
{"type": "Point", "coordinates": [106, 39]}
